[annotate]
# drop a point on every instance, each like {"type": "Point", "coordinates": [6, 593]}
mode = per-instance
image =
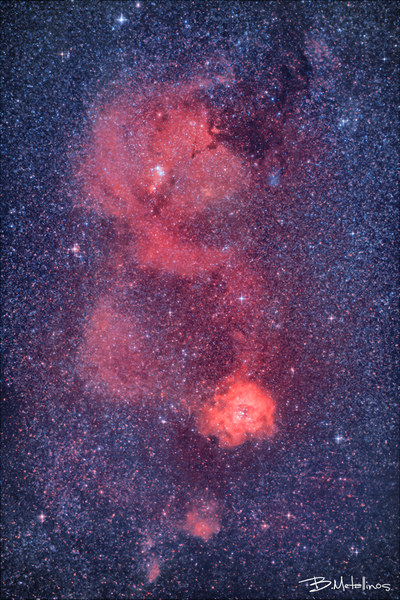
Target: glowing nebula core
{"type": "Point", "coordinates": [243, 412]}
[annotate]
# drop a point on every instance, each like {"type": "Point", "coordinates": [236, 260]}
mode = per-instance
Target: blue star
{"type": "Point", "coordinates": [122, 19]}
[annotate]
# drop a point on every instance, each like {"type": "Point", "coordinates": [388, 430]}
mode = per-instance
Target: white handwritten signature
{"type": "Point", "coordinates": [320, 583]}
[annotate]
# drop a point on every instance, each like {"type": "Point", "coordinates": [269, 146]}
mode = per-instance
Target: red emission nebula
{"type": "Point", "coordinates": [156, 168]}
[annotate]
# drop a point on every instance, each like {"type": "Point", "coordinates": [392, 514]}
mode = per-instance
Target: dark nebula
{"type": "Point", "coordinates": [199, 302]}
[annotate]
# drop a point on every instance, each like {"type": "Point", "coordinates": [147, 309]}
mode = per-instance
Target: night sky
{"type": "Point", "coordinates": [199, 300]}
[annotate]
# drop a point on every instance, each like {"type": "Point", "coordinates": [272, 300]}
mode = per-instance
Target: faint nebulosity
{"type": "Point", "coordinates": [199, 300]}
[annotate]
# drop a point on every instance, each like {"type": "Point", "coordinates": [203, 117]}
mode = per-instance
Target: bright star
{"type": "Point", "coordinates": [122, 19]}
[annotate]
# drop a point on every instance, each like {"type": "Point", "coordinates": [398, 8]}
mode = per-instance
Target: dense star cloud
{"type": "Point", "coordinates": [199, 216]}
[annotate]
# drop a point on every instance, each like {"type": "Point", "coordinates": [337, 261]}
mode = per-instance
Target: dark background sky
{"type": "Point", "coordinates": [83, 481]}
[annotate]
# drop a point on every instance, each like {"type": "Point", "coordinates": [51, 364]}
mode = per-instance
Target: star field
{"type": "Point", "coordinates": [199, 282]}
